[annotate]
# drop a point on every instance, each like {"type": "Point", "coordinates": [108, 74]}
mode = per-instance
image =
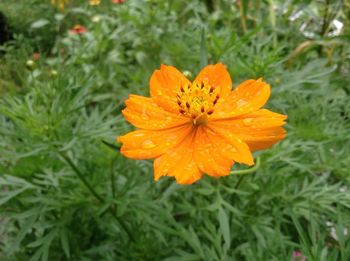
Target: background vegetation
{"type": "Point", "coordinates": [67, 194]}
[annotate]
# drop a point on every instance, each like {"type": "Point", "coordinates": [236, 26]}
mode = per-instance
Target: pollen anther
{"type": "Point", "coordinates": [197, 101]}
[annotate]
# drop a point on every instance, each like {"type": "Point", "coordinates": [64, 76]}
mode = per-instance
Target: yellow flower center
{"type": "Point", "coordinates": [197, 101]}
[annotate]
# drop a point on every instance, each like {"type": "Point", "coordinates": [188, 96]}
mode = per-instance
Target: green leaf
{"type": "Point", "coordinates": [13, 191]}
{"type": "Point", "coordinates": [203, 50]}
{"type": "Point", "coordinates": [224, 227]}
{"type": "Point", "coordinates": [64, 242]}
{"type": "Point", "coordinates": [245, 4]}
{"type": "Point", "coordinates": [39, 23]}
{"type": "Point", "coordinates": [22, 233]}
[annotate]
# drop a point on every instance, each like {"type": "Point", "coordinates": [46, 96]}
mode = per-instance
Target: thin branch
{"type": "Point", "coordinates": [245, 171]}
{"type": "Point", "coordinates": [95, 194]}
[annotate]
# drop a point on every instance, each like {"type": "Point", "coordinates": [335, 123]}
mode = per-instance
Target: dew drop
{"type": "Point", "coordinates": [148, 144]}
{"type": "Point", "coordinates": [139, 134]}
{"type": "Point", "coordinates": [247, 121]}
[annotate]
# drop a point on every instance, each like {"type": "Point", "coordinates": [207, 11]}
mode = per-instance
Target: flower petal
{"type": "Point", "coordinates": [217, 76]}
{"type": "Point", "coordinates": [231, 146]}
{"type": "Point", "coordinates": [249, 96]}
{"type": "Point", "coordinates": [147, 144]}
{"type": "Point", "coordinates": [144, 113]}
{"type": "Point", "coordinates": [208, 155]}
{"type": "Point", "coordinates": [260, 129]}
{"type": "Point", "coordinates": [179, 163]}
{"type": "Point", "coordinates": [165, 84]}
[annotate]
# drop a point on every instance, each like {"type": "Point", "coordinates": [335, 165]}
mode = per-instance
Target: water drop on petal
{"type": "Point", "coordinates": [148, 144]}
{"type": "Point", "coordinates": [241, 102]}
{"type": "Point", "coordinates": [247, 121]}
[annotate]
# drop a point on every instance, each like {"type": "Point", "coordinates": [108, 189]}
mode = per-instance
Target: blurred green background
{"type": "Point", "coordinates": [67, 194]}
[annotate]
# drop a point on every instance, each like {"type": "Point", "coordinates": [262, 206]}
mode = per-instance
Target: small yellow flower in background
{"type": "Point", "coordinates": [95, 18]}
{"type": "Point", "coordinates": [95, 2]}
{"type": "Point", "coordinates": [60, 3]}
{"type": "Point", "coordinates": [30, 64]}
{"type": "Point", "coordinates": [53, 73]}
{"type": "Point", "coordinates": [187, 74]}
{"type": "Point", "coordinates": [198, 127]}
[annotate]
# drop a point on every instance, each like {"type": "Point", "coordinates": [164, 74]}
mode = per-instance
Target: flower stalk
{"type": "Point", "coordinates": [95, 194]}
{"type": "Point", "coordinates": [243, 172]}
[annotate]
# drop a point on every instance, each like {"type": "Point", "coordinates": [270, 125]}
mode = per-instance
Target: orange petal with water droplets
{"type": "Point", "coordinates": [229, 145]}
{"type": "Point", "coordinates": [216, 76]}
{"type": "Point", "coordinates": [147, 144]}
{"type": "Point", "coordinates": [179, 163]}
{"type": "Point", "coordinates": [260, 129]}
{"type": "Point", "coordinates": [144, 113]}
{"type": "Point", "coordinates": [209, 155]}
{"type": "Point", "coordinates": [249, 96]}
{"type": "Point", "coordinates": [165, 84]}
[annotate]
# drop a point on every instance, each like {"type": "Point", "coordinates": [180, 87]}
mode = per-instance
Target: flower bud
{"type": "Point", "coordinates": [95, 18]}
{"type": "Point", "coordinates": [188, 74]}
{"type": "Point", "coordinates": [53, 73]}
{"type": "Point", "coordinates": [30, 64]}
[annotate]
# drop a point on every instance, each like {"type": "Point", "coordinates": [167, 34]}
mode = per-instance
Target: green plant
{"type": "Point", "coordinates": [67, 194]}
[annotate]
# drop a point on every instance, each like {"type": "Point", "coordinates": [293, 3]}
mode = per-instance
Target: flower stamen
{"type": "Point", "coordinates": [197, 101]}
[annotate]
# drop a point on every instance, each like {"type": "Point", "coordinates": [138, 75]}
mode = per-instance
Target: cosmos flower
{"type": "Point", "coordinates": [118, 1]}
{"type": "Point", "coordinates": [60, 3]}
{"type": "Point", "coordinates": [78, 29]}
{"type": "Point", "coordinates": [36, 56]}
{"type": "Point", "coordinates": [95, 2]}
{"type": "Point", "coordinates": [298, 256]}
{"type": "Point", "coordinates": [199, 127]}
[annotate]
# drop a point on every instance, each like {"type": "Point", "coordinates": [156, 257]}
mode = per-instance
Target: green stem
{"type": "Point", "coordinates": [241, 178]}
{"type": "Point", "coordinates": [273, 22]}
{"type": "Point", "coordinates": [81, 177]}
{"type": "Point", "coordinates": [95, 194]}
{"type": "Point", "coordinates": [112, 179]}
{"type": "Point", "coordinates": [245, 171]}
{"type": "Point", "coordinates": [243, 17]}
{"type": "Point", "coordinates": [325, 22]}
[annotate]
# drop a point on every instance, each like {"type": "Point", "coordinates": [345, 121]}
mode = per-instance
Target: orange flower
{"type": "Point", "coordinates": [118, 1]}
{"type": "Point", "coordinates": [78, 29]}
{"type": "Point", "coordinates": [199, 127]}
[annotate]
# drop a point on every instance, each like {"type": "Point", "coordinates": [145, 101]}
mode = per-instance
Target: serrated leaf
{"type": "Point", "coordinates": [13, 183]}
